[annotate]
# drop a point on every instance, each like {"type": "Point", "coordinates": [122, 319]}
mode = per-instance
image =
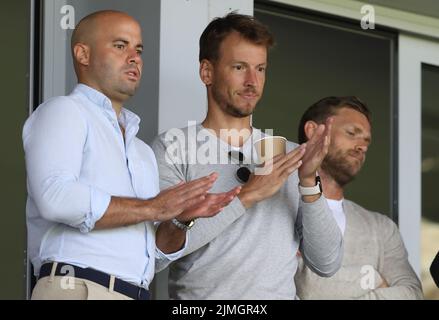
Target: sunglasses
{"type": "Point", "coordinates": [243, 173]}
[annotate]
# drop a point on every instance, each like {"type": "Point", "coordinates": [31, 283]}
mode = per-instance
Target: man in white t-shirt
{"type": "Point", "coordinates": [375, 264]}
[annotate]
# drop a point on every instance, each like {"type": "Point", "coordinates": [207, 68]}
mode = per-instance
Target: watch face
{"type": "Point", "coordinates": [190, 223]}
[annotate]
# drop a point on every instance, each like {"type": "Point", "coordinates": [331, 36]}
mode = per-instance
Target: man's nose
{"type": "Point", "coordinates": [251, 78]}
{"type": "Point", "coordinates": [362, 147]}
{"type": "Point", "coordinates": [134, 57]}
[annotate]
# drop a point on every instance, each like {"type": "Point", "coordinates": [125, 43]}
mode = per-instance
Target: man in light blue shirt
{"type": "Point", "coordinates": [93, 190]}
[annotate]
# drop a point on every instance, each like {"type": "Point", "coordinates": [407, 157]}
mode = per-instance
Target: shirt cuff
{"type": "Point", "coordinates": [174, 255]}
{"type": "Point", "coordinates": [99, 202]}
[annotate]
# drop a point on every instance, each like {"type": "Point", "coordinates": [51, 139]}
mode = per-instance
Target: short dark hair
{"type": "Point", "coordinates": [326, 107]}
{"type": "Point", "coordinates": [219, 28]}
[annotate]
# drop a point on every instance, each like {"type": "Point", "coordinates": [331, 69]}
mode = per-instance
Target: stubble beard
{"type": "Point", "coordinates": [115, 79]}
{"type": "Point", "coordinates": [236, 112]}
{"type": "Point", "coordinates": [126, 89]}
{"type": "Point", "coordinates": [336, 166]}
{"type": "Point", "coordinates": [230, 108]}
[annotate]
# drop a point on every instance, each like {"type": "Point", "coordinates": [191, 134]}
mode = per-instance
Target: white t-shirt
{"type": "Point", "coordinates": [336, 207]}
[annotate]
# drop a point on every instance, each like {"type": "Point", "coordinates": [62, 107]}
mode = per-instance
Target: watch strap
{"type": "Point", "coordinates": [310, 191]}
{"type": "Point", "coordinates": [183, 225]}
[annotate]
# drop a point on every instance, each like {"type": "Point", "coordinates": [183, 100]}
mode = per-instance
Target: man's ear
{"type": "Point", "coordinates": [309, 128]}
{"type": "Point", "coordinates": [206, 72]}
{"type": "Point", "coordinates": [81, 53]}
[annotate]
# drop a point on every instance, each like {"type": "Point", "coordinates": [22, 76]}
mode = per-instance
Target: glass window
{"type": "Point", "coordinates": [314, 59]}
{"type": "Point", "coordinates": [430, 176]}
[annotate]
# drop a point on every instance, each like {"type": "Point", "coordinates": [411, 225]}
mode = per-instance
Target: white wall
{"type": "Point", "coordinates": [55, 47]}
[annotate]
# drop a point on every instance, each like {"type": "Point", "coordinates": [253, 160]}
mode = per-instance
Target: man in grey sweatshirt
{"type": "Point", "coordinates": [375, 262]}
{"type": "Point", "coordinates": [247, 251]}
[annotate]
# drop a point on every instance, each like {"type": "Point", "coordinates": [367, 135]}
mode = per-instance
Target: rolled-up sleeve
{"type": "Point", "coordinates": [54, 140]}
{"type": "Point", "coordinates": [162, 259]}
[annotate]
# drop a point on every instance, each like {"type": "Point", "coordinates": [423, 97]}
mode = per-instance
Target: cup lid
{"type": "Point", "coordinates": [269, 137]}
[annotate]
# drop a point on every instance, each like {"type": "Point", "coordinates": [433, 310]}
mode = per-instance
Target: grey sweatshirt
{"type": "Point", "coordinates": [245, 253]}
{"type": "Point", "coordinates": [374, 251]}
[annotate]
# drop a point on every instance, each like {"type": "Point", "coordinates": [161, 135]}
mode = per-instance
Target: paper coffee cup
{"type": "Point", "coordinates": [269, 147]}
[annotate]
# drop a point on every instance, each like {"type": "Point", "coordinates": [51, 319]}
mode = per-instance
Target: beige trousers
{"type": "Point", "coordinates": [69, 288]}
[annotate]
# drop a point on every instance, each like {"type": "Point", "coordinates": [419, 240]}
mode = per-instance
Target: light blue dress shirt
{"type": "Point", "coordinates": [76, 159]}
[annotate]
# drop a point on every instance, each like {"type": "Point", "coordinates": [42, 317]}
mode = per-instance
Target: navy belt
{"type": "Point", "coordinates": [123, 287]}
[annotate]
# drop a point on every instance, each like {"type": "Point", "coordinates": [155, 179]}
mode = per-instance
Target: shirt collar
{"type": "Point", "coordinates": [94, 96]}
{"type": "Point", "coordinates": [127, 118]}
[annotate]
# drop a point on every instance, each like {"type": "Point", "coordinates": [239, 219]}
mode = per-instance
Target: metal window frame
{"type": "Point", "coordinates": [414, 51]}
{"type": "Point", "coordinates": [34, 99]}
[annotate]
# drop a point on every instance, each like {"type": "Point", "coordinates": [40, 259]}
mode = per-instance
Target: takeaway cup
{"type": "Point", "coordinates": [269, 147]}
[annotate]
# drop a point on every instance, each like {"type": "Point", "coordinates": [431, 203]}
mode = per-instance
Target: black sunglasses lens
{"type": "Point", "coordinates": [237, 155]}
{"type": "Point", "coordinates": [243, 174]}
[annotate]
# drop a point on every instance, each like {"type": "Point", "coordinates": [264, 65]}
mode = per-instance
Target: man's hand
{"type": "Point", "coordinates": [173, 201]}
{"type": "Point", "coordinates": [273, 175]}
{"type": "Point", "coordinates": [383, 284]}
{"type": "Point", "coordinates": [316, 151]}
{"type": "Point", "coordinates": [210, 206]}
{"type": "Point", "coordinates": [166, 205]}
{"type": "Point", "coordinates": [169, 238]}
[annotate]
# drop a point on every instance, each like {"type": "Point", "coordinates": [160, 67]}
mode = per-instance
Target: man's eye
{"type": "Point", "coordinates": [139, 52]}
{"type": "Point", "coordinates": [239, 67]}
{"type": "Point", "coordinates": [350, 133]}
{"type": "Point", "coordinates": [119, 46]}
{"type": "Point", "coordinates": [261, 69]}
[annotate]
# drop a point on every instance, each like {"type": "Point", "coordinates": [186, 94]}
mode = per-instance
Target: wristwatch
{"type": "Point", "coordinates": [183, 225]}
{"type": "Point", "coordinates": [310, 191]}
